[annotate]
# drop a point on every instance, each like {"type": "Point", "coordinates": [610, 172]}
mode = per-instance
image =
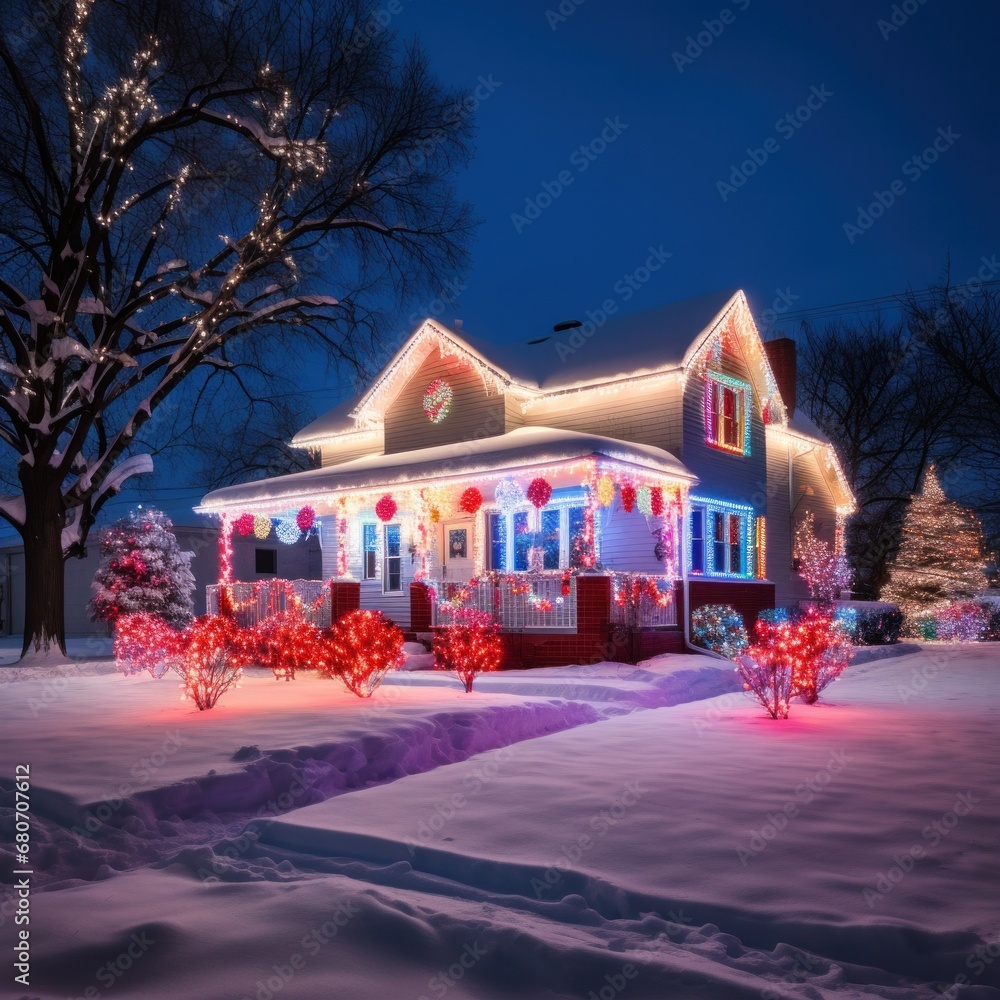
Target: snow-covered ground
{"type": "Point", "coordinates": [593, 831]}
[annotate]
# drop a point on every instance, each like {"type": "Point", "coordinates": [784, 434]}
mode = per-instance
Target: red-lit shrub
{"type": "Point", "coordinates": [360, 648]}
{"type": "Point", "coordinates": [146, 642]}
{"type": "Point", "coordinates": [470, 645]}
{"type": "Point", "coordinates": [814, 646]}
{"type": "Point", "coordinates": [767, 679]}
{"type": "Point", "coordinates": [214, 656]}
{"type": "Point", "coordinates": [287, 642]}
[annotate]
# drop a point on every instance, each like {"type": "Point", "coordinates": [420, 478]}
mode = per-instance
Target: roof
{"type": "Point", "coordinates": [335, 421]}
{"type": "Point", "coordinates": [652, 340]}
{"type": "Point", "coordinates": [801, 424]}
{"type": "Point", "coordinates": [517, 449]}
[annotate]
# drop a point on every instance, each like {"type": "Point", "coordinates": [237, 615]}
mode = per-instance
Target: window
{"type": "Point", "coordinates": [369, 552]}
{"type": "Point", "coordinates": [727, 413]}
{"type": "Point", "coordinates": [561, 538]}
{"type": "Point", "coordinates": [721, 539]}
{"type": "Point", "coordinates": [698, 540]}
{"type": "Point", "coordinates": [392, 561]}
{"type": "Point", "coordinates": [497, 526]}
{"type": "Point", "coordinates": [266, 561]}
{"type": "Point", "coordinates": [551, 524]}
{"type": "Point", "coordinates": [577, 523]}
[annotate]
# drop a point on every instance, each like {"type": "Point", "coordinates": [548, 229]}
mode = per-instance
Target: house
{"type": "Point", "coordinates": [579, 486]}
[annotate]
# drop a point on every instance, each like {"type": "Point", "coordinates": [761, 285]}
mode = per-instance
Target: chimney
{"type": "Point", "coordinates": [781, 355]}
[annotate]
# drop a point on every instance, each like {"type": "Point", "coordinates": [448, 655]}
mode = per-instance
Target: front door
{"type": "Point", "coordinates": [456, 557]}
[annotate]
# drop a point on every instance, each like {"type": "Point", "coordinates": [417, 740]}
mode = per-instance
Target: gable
{"type": "Point", "coordinates": [466, 410]}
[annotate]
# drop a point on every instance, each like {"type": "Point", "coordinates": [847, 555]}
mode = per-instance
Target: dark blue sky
{"type": "Point", "coordinates": [656, 183]}
{"type": "Point", "coordinates": [884, 101]}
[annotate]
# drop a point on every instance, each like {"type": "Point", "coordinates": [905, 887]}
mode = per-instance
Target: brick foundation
{"type": "Point", "coordinates": [420, 607]}
{"type": "Point", "coordinates": [748, 598]}
{"type": "Point", "coordinates": [345, 595]}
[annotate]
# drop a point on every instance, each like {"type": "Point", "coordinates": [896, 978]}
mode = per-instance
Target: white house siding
{"type": "Point", "coordinates": [811, 492]}
{"type": "Point", "coordinates": [348, 448]}
{"type": "Point", "coordinates": [473, 415]}
{"type": "Point", "coordinates": [651, 416]}
{"type": "Point", "coordinates": [626, 541]}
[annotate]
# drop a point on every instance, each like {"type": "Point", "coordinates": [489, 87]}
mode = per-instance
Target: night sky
{"type": "Point", "coordinates": [777, 231]}
{"type": "Point", "coordinates": [885, 81]}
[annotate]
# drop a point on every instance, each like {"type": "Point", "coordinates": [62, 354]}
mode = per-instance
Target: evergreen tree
{"type": "Point", "coordinates": [940, 556]}
{"type": "Point", "coordinates": [143, 570]}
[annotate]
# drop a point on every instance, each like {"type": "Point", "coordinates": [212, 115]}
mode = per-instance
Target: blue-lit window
{"type": "Point", "coordinates": [498, 541]}
{"type": "Point", "coordinates": [369, 552]}
{"type": "Point", "coordinates": [720, 539]}
{"type": "Point", "coordinates": [392, 561]}
{"type": "Point", "coordinates": [576, 525]}
{"type": "Point", "coordinates": [551, 524]}
{"type": "Point", "coordinates": [697, 540]}
{"type": "Point", "coordinates": [522, 539]}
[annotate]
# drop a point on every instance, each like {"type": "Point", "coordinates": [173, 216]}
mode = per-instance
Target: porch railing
{"type": "Point", "coordinates": [264, 598]}
{"type": "Point", "coordinates": [530, 603]}
{"type": "Point", "coordinates": [639, 601]}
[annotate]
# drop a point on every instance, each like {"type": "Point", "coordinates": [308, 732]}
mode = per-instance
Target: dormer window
{"type": "Point", "coordinates": [727, 413]}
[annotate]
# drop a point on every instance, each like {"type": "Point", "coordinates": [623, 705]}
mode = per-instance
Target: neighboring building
{"type": "Point", "coordinates": [677, 468]}
{"type": "Point", "coordinates": [254, 560]}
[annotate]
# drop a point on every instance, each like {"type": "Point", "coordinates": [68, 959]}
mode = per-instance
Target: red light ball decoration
{"type": "Point", "coordinates": [470, 501]}
{"type": "Point", "coordinates": [539, 492]}
{"type": "Point", "coordinates": [244, 524]}
{"type": "Point", "coordinates": [305, 518]}
{"type": "Point", "coordinates": [386, 508]}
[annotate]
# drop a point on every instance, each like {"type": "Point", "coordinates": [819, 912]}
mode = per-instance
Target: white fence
{"type": "Point", "coordinates": [529, 603]}
{"type": "Point", "coordinates": [264, 598]}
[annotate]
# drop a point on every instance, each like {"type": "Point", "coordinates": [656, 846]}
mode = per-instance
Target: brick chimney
{"type": "Point", "coordinates": [781, 355]}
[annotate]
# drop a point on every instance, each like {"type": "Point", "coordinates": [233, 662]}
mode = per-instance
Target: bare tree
{"type": "Point", "coordinates": [959, 327]}
{"type": "Point", "coordinates": [171, 170]}
{"type": "Point", "coordinates": [872, 387]}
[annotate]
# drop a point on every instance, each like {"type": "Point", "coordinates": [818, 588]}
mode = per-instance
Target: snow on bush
{"type": "Point", "coordinates": [470, 645]}
{"type": "Point", "coordinates": [287, 642]}
{"type": "Point", "coordinates": [147, 642]}
{"type": "Point", "coordinates": [719, 627]}
{"type": "Point", "coordinates": [143, 570]}
{"type": "Point", "coordinates": [214, 656]}
{"type": "Point", "coordinates": [361, 648]}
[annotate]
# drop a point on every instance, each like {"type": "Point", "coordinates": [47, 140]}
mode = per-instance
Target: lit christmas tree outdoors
{"type": "Point", "coordinates": [143, 570]}
{"type": "Point", "coordinates": [940, 556]}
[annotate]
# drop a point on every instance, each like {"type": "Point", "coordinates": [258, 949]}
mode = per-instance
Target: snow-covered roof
{"type": "Point", "coordinates": [521, 448]}
{"type": "Point", "coordinates": [652, 340]}
{"type": "Point", "coordinates": [801, 424]}
{"type": "Point", "coordinates": [335, 421]}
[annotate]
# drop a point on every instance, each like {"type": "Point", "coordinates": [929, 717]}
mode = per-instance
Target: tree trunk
{"type": "Point", "coordinates": [44, 571]}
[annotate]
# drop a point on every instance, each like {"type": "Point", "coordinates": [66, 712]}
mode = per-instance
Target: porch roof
{"type": "Point", "coordinates": [523, 448]}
